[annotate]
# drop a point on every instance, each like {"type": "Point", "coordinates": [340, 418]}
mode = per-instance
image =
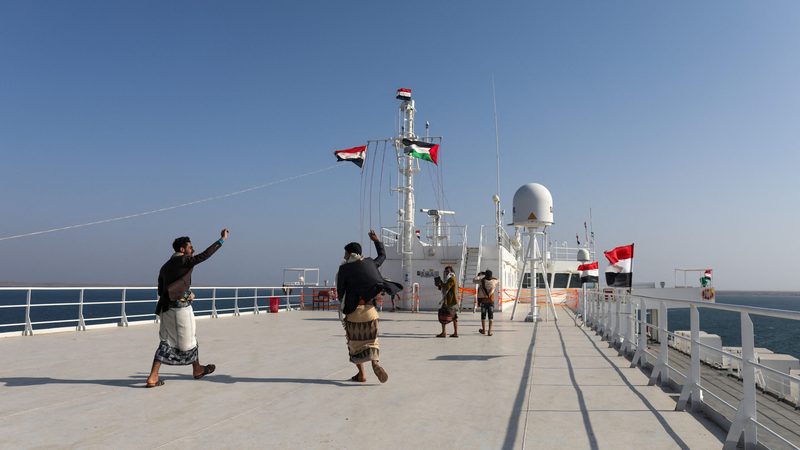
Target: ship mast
{"type": "Point", "coordinates": [407, 169]}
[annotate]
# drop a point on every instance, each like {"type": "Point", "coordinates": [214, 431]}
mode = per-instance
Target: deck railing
{"type": "Point", "coordinates": [61, 307]}
{"type": "Point", "coordinates": [621, 318]}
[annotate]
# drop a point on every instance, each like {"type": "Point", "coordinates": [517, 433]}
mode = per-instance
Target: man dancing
{"type": "Point", "coordinates": [178, 346]}
{"type": "Point", "coordinates": [359, 283]}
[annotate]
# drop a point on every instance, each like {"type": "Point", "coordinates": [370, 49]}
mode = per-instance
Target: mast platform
{"type": "Point", "coordinates": [282, 381]}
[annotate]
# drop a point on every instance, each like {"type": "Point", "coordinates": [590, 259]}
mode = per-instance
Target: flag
{"type": "Point", "coordinates": [619, 273]}
{"type": "Point", "coordinates": [706, 280]}
{"type": "Point", "coordinates": [403, 94]}
{"type": "Point", "coordinates": [422, 150]}
{"type": "Point", "coordinates": [355, 155]}
{"type": "Point", "coordinates": [590, 272]}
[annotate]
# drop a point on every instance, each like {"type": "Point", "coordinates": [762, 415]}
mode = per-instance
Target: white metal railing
{"type": "Point", "coordinates": [621, 318]}
{"type": "Point", "coordinates": [243, 299]}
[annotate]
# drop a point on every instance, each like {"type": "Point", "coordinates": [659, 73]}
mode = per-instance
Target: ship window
{"type": "Point", "coordinates": [560, 280]}
{"type": "Point", "coordinates": [526, 281]}
{"type": "Point", "coordinates": [539, 281]}
{"type": "Point", "coordinates": [575, 281]}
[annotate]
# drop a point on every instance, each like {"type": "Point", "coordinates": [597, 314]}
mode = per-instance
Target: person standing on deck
{"type": "Point", "coordinates": [486, 290]}
{"type": "Point", "coordinates": [178, 346]}
{"type": "Point", "coordinates": [448, 311]}
{"type": "Point", "coordinates": [359, 283]}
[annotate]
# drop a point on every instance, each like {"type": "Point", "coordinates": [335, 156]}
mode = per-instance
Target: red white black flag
{"type": "Point", "coordinates": [590, 272]}
{"type": "Point", "coordinates": [403, 94]}
{"type": "Point", "coordinates": [620, 271]}
{"type": "Point", "coordinates": [354, 155]}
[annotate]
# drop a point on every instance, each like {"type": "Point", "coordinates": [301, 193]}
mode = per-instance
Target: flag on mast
{"type": "Point", "coordinates": [589, 272]}
{"type": "Point", "coordinates": [355, 155]}
{"type": "Point", "coordinates": [403, 94]}
{"type": "Point", "coordinates": [619, 273]}
{"type": "Point", "coordinates": [422, 150]}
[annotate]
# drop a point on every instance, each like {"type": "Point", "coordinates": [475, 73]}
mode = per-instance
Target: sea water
{"type": "Point", "coordinates": [778, 335]}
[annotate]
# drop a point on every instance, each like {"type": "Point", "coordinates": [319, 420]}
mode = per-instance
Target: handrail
{"type": "Point", "coordinates": [131, 310]}
{"type": "Point", "coordinates": [621, 318]}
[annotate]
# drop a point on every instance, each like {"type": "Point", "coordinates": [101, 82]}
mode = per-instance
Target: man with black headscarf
{"type": "Point", "coordinates": [359, 283]}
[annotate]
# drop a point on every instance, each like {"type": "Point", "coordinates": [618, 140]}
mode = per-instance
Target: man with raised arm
{"type": "Point", "coordinates": [178, 346]}
{"type": "Point", "coordinates": [359, 283]}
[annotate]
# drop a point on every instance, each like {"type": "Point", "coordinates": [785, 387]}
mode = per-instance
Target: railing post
{"type": "Point", "coordinates": [747, 413]}
{"type": "Point", "coordinates": [123, 319]}
{"type": "Point", "coordinates": [255, 301]}
{"type": "Point", "coordinates": [28, 331]}
{"type": "Point", "coordinates": [81, 323]}
{"type": "Point", "coordinates": [641, 345]}
{"type": "Point", "coordinates": [236, 302]}
{"type": "Point", "coordinates": [692, 387]}
{"type": "Point", "coordinates": [661, 369]}
{"type": "Point", "coordinates": [630, 327]}
{"type": "Point", "coordinates": [214, 314]}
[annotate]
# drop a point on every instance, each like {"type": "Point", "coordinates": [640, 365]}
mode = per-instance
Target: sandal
{"type": "Point", "coordinates": [488, 334]}
{"type": "Point", "coordinates": [357, 379]}
{"type": "Point", "coordinates": [482, 331]}
{"type": "Point", "coordinates": [207, 369]}
{"type": "Point", "coordinates": [441, 335]}
{"type": "Point", "coordinates": [453, 335]}
{"type": "Point", "coordinates": [156, 384]}
{"type": "Point", "coordinates": [380, 373]}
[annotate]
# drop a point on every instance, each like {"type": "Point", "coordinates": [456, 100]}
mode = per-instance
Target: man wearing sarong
{"type": "Point", "coordinates": [448, 310]}
{"type": "Point", "coordinates": [178, 346]}
{"type": "Point", "coordinates": [359, 283]}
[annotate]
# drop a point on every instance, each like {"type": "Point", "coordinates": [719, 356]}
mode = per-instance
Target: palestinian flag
{"type": "Point", "coordinates": [706, 280]}
{"type": "Point", "coordinates": [355, 155]}
{"type": "Point", "coordinates": [403, 94]}
{"type": "Point", "coordinates": [619, 273]}
{"type": "Point", "coordinates": [589, 272]}
{"type": "Point", "coordinates": [422, 150]}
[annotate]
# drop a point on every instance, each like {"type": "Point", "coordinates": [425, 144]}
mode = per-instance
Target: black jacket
{"type": "Point", "coordinates": [175, 276]}
{"type": "Point", "coordinates": [361, 280]}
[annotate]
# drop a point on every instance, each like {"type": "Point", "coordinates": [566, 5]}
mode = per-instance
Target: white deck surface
{"type": "Point", "coordinates": [281, 383]}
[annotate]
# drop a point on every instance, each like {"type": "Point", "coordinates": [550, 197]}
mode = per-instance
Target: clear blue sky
{"type": "Point", "coordinates": [676, 122]}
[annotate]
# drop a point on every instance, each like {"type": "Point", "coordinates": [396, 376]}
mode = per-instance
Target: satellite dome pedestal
{"type": "Point", "coordinates": [533, 210]}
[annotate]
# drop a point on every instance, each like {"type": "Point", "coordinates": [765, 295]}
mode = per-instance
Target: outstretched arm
{"type": "Point", "coordinates": [378, 248]}
{"type": "Point", "coordinates": [197, 259]}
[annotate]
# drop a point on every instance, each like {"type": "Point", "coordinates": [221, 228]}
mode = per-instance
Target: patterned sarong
{"type": "Point", "coordinates": [178, 346]}
{"type": "Point", "coordinates": [361, 327]}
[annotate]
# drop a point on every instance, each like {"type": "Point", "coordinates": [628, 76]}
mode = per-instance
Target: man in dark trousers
{"type": "Point", "coordinates": [178, 346]}
{"type": "Point", "coordinates": [359, 283]}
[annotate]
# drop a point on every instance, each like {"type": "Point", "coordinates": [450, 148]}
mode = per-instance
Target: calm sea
{"type": "Point", "coordinates": [779, 335]}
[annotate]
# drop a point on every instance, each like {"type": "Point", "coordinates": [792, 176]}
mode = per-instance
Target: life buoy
{"type": "Point", "coordinates": [707, 293]}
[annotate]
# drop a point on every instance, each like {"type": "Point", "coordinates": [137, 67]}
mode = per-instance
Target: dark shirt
{"type": "Point", "coordinates": [175, 276]}
{"type": "Point", "coordinates": [361, 280]}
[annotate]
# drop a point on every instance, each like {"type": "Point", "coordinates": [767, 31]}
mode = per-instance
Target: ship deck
{"type": "Point", "coordinates": [282, 382]}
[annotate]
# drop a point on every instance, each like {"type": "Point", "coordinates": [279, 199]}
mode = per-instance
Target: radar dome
{"type": "Point", "coordinates": [533, 206]}
{"type": "Point", "coordinates": [583, 255]}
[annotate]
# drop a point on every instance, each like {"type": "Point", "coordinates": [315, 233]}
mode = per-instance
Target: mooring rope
{"type": "Point", "coordinates": [169, 208]}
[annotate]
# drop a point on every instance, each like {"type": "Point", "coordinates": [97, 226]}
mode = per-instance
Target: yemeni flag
{"type": "Point", "coordinates": [590, 272]}
{"type": "Point", "coordinates": [620, 271]}
{"type": "Point", "coordinates": [403, 94]}
{"type": "Point", "coordinates": [355, 155]}
{"type": "Point", "coordinates": [422, 150]}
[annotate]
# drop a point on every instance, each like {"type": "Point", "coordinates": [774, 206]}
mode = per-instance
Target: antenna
{"type": "Point", "coordinates": [496, 136]}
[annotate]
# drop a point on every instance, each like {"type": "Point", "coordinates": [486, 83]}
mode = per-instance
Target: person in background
{"type": "Point", "coordinates": [358, 283]}
{"type": "Point", "coordinates": [178, 342]}
{"type": "Point", "coordinates": [487, 285]}
{"type": "Point", "coordinates": [447, 312]}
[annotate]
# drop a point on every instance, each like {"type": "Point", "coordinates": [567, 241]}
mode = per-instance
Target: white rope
{"type": "Point", "coordinates": [169, 208]}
